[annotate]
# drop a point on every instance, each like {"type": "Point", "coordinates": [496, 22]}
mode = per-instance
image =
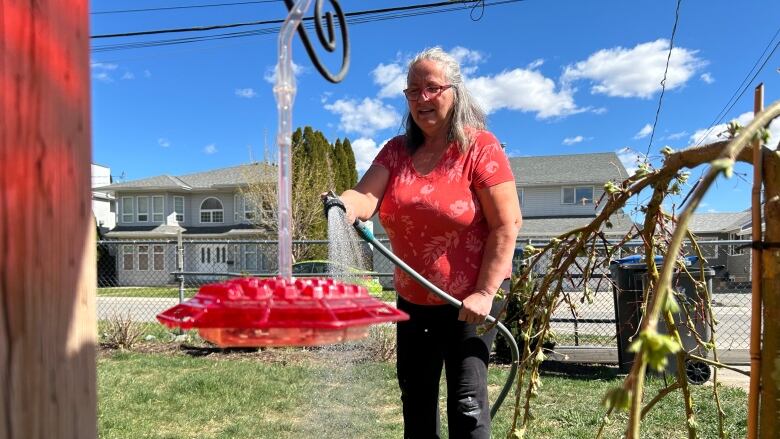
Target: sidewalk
{"type": "Point", "coordinates": [730, 378]}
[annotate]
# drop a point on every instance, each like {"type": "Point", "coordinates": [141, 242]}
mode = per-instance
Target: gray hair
{"type": "Point", "coordinates": [467, 115]}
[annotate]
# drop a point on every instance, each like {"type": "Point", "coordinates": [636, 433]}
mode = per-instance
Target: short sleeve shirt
{"type": "Point", "coordinates": [434, 221]}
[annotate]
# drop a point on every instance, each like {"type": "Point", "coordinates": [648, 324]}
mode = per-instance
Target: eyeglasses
{"type": "Point", "coordinates": [427, 93]}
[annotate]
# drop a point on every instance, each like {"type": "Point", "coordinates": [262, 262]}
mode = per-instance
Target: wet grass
{"type": "Point", "coordinates": [330, 393]}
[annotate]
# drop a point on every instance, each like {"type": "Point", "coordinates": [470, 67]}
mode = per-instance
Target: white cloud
{"type": "Point", "coordinates": [392, 79]}
{"type": "Point", "coordinates": [535, 63]}
{"type": "Point", "coordinates": [468, 59]}
{"type": "Point", "coordinates": [630, 159]}
{"type": "Point", "coordinates": [644, 132]}
{"type": "Point", "coordinates": [524, 90]}
{"type": "Point", "coordinates": [573, 140]}
{"type": "Point", "coordinates": [128, 76]}
{"type": "Point", "coordinates": [147, 74]}
{"type": "Point", "coordinates": [719, 132]}
{"type": "Point", "coordinates": [210, 149]}
{"type": "Point", "coordinates": [103, 71]}
{"type": "Point", "coordinates": [675, 136]}
{"type": "Point", "coordinates": [706, 77]}
{"type": "Point", "coordinates": [162, 141]}
{"type": "Point", "coordinates": [270, 72]}
{"type": "Point", "coordinates": [365, 149]}
{"type": "Point", "coordinates": [466, 56]}
{"type": "Point", "coordinates": [103, 66]}
{"type": "Point", "coordinates": [248, 93]}
{"type": "Point", "coordinates": [102, 76]}
{"type": "Point", "coordinates": [365, 117]}
{"type": "Point", "coordinates": [635, 72]}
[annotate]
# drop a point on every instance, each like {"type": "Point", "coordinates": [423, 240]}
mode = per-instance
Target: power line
{"type": "Point", "coordinates": [743, 86]}
{"type": "Point", "coordinates": [359, 17]}
{"type": "Point", "coordinates": [280, 21]}
{"type": "Point", "coordinates": [169, 8]}
{"type": "Point", "coordinates": [663, 81]}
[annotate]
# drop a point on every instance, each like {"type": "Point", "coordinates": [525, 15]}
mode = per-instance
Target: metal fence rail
{"type": "Point", "coordinates": [142, 278]}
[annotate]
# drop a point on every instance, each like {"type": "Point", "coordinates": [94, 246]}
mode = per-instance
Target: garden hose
{"type": "Point", "coordinates": [332, 200]}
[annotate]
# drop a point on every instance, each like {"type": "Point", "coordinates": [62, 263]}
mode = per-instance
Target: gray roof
{"type": "Point", "coordinates": [223, 177]}
{"type": "Point", "coordinates": [596, 168]}
{"type": "Point", "coordinates": [548, 227]}
{"type": "Point", "coordinates": [720, 222]}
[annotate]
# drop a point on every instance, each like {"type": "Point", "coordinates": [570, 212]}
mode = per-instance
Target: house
{"type": "Point", "coordinates": [103, 206]}
{"type": "Point", "coordinates": [209, 207]}
{"type": "Point", "coordinates": [559, 193]}
{"type": "Point", "coordinates": [732, 261]}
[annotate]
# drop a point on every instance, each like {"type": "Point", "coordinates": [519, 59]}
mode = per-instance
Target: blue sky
{"type": "Point", "coordinates": [556, 77]}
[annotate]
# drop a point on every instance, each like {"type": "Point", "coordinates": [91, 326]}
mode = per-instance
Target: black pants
{"type": "Point", "coordinates": [432, 337]}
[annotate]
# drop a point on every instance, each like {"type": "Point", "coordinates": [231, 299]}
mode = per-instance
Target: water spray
{"type": "Point", "coordinates": [331, 200]}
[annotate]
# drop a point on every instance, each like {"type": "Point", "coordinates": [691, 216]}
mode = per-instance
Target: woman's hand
{"type": "Point", "coordinates": [476, 307]}
{"type": "Point", "coordinates": [349, 212]}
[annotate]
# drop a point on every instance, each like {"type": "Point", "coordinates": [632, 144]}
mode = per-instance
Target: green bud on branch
{"type": "Point", "coordinates": [654, 348]}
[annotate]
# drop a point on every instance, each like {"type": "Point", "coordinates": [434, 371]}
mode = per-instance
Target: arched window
{"type": "Point", "coordinates": [211, 211]}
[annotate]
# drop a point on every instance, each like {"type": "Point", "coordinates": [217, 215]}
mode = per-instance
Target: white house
{"type": "Point", "coordinates": [558, 193]}
{"type": "Point", "coordinates": [103, 206]}
{"type": "Point", "coordinates": [203, 206]}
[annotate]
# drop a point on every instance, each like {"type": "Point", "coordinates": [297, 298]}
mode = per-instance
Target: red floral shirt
{"type": "Point", "coordinates": [434, 221]}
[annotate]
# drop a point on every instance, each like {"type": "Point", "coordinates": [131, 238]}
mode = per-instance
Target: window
{"type": "Point", "coordinates": [577, 195]}
{"type": "Point", "coordinates": [178, 207]}
{"type": "Point", "coordinates": [127, 257]}
{"type": "Point", "coordinates": [127, 210]}
{"type": "Point", "coordinates": [143, 257]}
{"type": "Point", "coordinates": [158, 209]}
{"type": "Point", "coordinates": [158, 259]}
{"type": "Point", "coordinates": [143, 209]}
{"type": "Point", "coordinates": [211, 211]}
{"type": "Point", "coordinates": [521, 193]}
{"type": "Point", "coordinates": [243, 209]}
{"type": "Point", "coordinates": [250, 257]}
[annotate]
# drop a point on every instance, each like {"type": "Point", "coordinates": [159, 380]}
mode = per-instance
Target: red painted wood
{"type": "Point", "coordinates": [47, 250]}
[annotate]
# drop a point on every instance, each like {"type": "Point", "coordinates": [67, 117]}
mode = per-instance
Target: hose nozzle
{"type": "Point", "coordinates": [331, 200]}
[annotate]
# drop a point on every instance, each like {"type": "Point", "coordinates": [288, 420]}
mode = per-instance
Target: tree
{"type": "Point", "coordinates": [661, 232]}
{"type": "Point", "coordinates": [351, 164]}
{"type": "Point", "coordinates": [315, 169]}
{"type": "Point", "coordinates": [341, 170]}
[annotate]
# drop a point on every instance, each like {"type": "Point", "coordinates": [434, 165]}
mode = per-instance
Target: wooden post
{"type": "Point", "coordinates": [47, 230]}
{"type": "Point", "coordinates": [769, 413]}
{"type": "Point", "coordinates": [755, 276]}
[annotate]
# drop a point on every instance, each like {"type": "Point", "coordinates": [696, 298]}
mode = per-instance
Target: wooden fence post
{"type": "Point", "coordinates": [769, 414]}
{"type": "Point", "coordinates": [47, 231]}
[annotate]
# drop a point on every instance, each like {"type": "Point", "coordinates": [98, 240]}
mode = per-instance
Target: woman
{"type": "Point", "coordinates": [447, 199]}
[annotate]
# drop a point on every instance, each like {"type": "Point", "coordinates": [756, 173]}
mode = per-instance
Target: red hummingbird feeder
{"type": "Point", "coordinates": [280, 312]}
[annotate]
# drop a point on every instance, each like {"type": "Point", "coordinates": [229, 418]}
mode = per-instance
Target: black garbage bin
{"type": "Point", "coordinates": [630, 277]}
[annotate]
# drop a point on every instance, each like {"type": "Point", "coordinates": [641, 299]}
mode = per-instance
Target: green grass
{"type": "Point", "coordinates": [145, 292]}
{"type": "Point", "coordinates": [387, 295]}
{"type": "Point", "coordinates": [281, 394]}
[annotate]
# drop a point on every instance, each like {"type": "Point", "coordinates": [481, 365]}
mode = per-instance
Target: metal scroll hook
{"type": "Point", "coordinates": [328, 41]}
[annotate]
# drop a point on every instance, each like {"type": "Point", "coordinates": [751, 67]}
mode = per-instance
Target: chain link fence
{"type": "Point", "coordinates": [142, 278]}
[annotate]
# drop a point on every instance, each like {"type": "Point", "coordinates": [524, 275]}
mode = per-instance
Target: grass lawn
{"type": "Point", "coordinates": [338, 393]}
{"type": "Point", "coordinates": [386, 295]}
{"type": "Point", "coordinates": [145, 292]}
